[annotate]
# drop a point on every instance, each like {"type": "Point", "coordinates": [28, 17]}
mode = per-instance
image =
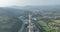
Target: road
{"type": "Point", "coordinates": [23, 25]}
{"type": "Point", "coordinates": [32, 27]}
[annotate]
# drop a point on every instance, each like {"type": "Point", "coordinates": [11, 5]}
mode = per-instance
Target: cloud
{"type": "Point", "coordinates": [28, 2]}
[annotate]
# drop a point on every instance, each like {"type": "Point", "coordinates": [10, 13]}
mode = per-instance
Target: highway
{"type": "Point", "coordinates": [32, 27]}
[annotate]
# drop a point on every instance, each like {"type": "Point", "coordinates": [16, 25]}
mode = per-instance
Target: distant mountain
{"type": "Point", "coordinates": [37, 7]}
{"type": "Point", "coordinates": [10, 11]}
{"type": "Point", "coordinates": [19, 10]}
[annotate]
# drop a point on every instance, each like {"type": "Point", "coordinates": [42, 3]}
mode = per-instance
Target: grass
{"type": "Point", "coordinates": [45, 26]}
{"type": "Point", "coordinates": [57, 21]}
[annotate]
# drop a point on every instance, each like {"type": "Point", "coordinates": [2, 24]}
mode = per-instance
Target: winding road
{"type": "Point", "coordinates": [23, 25]}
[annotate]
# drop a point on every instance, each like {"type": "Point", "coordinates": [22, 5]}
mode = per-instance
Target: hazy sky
{"type": "Point", "coordinates": [28, 2]}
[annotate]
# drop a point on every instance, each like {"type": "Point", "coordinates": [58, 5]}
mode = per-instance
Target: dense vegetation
{"type": "Point", "coordinates": [9, 24]}
{"type": "Point", "coordinates": [9, 21]}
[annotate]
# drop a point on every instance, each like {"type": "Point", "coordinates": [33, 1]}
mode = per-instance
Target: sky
{"type": "Point", "coordinates": [28, 2]}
